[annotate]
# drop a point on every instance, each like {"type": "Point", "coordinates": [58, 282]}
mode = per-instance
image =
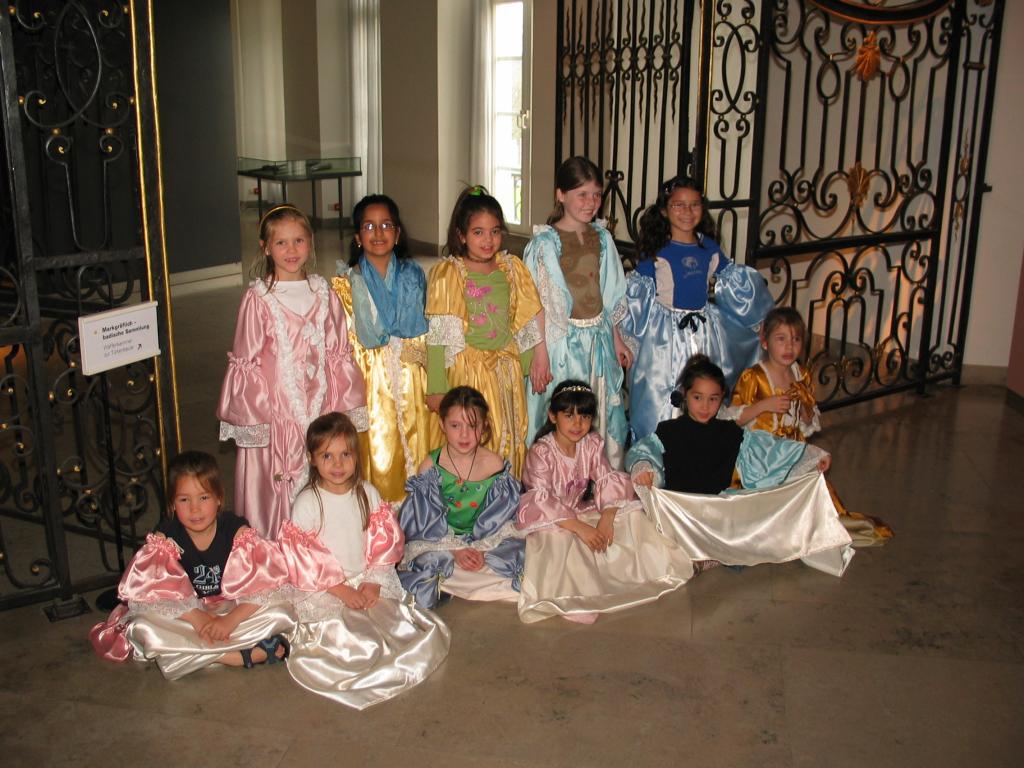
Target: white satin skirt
{"type": "Point", "coordinates": [793, 521]}
{"type": "Point", "coordinates": [176, 648]}
{"type": "Point", "coordinates": [484, 585]}
{"type": "Point", "coordinates": [564, 577]}
{"type": "Point", "coordinates": [361, 658]}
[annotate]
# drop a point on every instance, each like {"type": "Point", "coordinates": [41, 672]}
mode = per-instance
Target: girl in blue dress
{"type": "Point", "coordinates": [685, 297]}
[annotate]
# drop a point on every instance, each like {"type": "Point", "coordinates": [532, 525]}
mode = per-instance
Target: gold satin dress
{"type": "Point", "coordinates": [497, 372]}
{"type": "Point", "coordinates": [755, 384]}
{"type": "Point", "coordinates": [402, 429]}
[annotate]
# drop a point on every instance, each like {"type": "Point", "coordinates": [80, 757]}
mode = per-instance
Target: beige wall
{"type": "Point", "coordinates": [1001, 241]}
{"type": "Point", "coordinates": [542, 111]}
{"type": "Point", "coordinates": [454, 100]}
{"type": "Point", "coordinates": [408, 38]}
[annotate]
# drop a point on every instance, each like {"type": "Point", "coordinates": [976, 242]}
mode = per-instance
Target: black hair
{"type": "Point", "coordinates": [573, 174]}
{"type": "Point", "coordinates": [570, 396]}
{"type": "Point", "coordinates": [697, 367]}
{"type": "Point", "coordinates": [202, 466]}
{"type": "Point", "coordinates": [473, 404]}
{"type": "Point", "coordinates": [471, 200]}
{"type": "Point", "coordinates": [359, 212]}
{"type": "Point", "coordinates": [655, 230]}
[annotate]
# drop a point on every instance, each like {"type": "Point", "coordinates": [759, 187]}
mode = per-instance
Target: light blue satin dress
{"type": "Point", "coordinates": [663, 337]}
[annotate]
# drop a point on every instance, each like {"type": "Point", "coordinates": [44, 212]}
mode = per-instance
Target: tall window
{"type": "Point", "coordinates": [510, 97]}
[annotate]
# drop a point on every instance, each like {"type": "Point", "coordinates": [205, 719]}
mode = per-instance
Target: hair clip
{"type": "Point", "coordinates": [276, 209]}
{"type": "Point", "coordinates": [576, 388]}
{"type": "Point", "coordinates": [477, 191]}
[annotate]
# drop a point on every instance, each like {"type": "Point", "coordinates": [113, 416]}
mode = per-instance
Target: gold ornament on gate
{"type": "Point", "coordinates": [868, 58]}
{"type": "Point", "coordinates": [857, 180]}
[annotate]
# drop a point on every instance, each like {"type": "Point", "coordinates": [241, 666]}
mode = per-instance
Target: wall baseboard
{"type": "Point", "coordinates": [983, 375]}
{"type": "Point", "coordinates": [206, 279]}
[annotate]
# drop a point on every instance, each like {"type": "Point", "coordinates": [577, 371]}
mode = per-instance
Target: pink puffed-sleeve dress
{"type": "Point", "coordinates": [285, 369]}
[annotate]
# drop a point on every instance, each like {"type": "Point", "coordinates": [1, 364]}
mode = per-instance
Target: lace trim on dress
{"type": "Point", "coordinates": [360, 418]}
{"type": "Point", "coordinates": [251, 436]}
{"type": "Point", "coordinates": [529, 335]}
{"type": "Point", "coordinates": [447, 331]}
{"type": "Point", "coordinates": [556, 311]}
{"type": "Point", "coordinates": [170, 608]}
{"type": "Point", "coordinates": [450, 541]}
{"type": "Point", "coordinates": [619, 311]}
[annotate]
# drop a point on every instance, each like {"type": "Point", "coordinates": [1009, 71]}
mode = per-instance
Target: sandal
{"type": "Point", "coordinates": [269, 646]}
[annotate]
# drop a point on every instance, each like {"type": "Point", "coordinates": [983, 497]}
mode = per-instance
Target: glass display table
{"type": "Point", "coordinates": [312, 170]}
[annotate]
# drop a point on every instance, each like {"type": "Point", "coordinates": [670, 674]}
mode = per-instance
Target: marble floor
{"type": "Point", "coordinates": [914, 658]}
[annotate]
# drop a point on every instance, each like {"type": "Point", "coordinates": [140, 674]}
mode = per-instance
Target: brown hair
{"type": "Point", "coordinates": [783, 316]}
{"type": "Point", "coordinates": [322, 430]}
{"type": "Point", "coordinates": [473, 404]}
{"type": "Point", "coordinates": [573, 174]}
{"type": "Point", "coordinates": [202, 466]}
{"type": "Point", "coordinates": [264, 269]}
{"type": "Point", "coordinates": [471, 200]}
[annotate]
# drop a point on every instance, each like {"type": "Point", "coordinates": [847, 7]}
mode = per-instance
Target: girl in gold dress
{"type": "Point", "coordinates": [383, 291]}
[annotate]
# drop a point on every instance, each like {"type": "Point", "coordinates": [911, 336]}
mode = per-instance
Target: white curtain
{"type": "Point", "coordinates": [483, 108]}
{"type": "Point", "coordinates": [364, 23]}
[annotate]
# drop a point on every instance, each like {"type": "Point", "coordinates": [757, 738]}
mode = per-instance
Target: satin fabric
{"type": "Point", "coordinates": [755, 384]}
{"type": "Point", "coordinates": [258, 408]}
{"type": "Point", "coordinates": [402, 430]}
{"type": "Point", "coordinates": [562, 576]}
{"type": "Point", "coordinates": [176, 648]}
{"type": "Point", "coordinates": [663, 339]}
{"type": "Point", "coordinates": [428, 567]}
{"type": "Point", "coordinates": [155, 574]}
{"type": "Point", "coordinates": [398, 299]}
{"type": "Point", "coordinates": [789, 522]}
{"type": "Point", "coordinates": [359, 657]}
{"type": "Point", "coordinates": [583, 350]}
{"type": "Point", "coordinates": [363, 657]}
{"type": "Point", "coordinates": [497, 374]}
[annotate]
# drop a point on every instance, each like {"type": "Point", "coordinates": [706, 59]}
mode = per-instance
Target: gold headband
{"type": "Point", "coordinates": [275, 209]}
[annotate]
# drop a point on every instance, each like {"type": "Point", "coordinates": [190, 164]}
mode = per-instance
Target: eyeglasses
{"type": "Point", "coordinates": [681, 206]}
{"type": "Point", "coordinates": [369, 227]}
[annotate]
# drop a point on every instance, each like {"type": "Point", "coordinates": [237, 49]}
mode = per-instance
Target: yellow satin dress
{"type": "Point", "coordinates": [755, 384]}
{"type": "Point", "coordinates": [496, 373]}
{"type": "Point", "coordinates": [402, 429]}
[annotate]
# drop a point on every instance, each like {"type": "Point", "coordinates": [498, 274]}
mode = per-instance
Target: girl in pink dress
{"type": "Point", "coordinates": [291, 362]}
{"type": "Point", "coordinates": [359, 642]}
{"type": "Point", "coordinates": [204, 589]}
{"type": "Point", "coordinates": [585, 557]}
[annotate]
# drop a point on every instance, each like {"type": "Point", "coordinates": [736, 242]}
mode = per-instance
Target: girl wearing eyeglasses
{"type": "Point", "coordinates": [383, 291]}
{"type": "Point", "coordinates": [685, 297]}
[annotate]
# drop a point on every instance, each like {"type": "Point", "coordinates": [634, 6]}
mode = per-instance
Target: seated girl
{"type": "Point", "coordinates": [458, 512]}
{"type": "Point", "coordinates": [586, 557]}
{"type": "Point", "coordinates": [358, 642]}
{"type": "Point", "coordinates": [697, 454]}
{"type": "Point", "coordinates": [203, 589]}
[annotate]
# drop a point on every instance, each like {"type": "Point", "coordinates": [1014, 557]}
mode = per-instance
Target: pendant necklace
{"type": "Point", "coordinates": [458, 474]}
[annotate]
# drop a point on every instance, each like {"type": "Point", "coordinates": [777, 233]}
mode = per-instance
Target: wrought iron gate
{"type": "Point", "coordinates": [842, 145]}
{"type": "Point", "coordinates": [82, 231]}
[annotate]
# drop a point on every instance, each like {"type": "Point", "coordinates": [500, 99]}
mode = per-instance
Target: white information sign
{"type": "Point", "coordinates": [117, 337]}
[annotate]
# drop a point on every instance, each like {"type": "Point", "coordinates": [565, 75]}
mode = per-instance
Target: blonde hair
{"type": "Point", "coordinates": [321, 431]}
{"type": "Point", "coordinates": [263, 269]}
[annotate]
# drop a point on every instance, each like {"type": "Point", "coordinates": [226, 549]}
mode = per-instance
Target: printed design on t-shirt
{"type": "Point", "coordinates": [691, 267]}
{"type": "Point", "coordinates": [206, 579]}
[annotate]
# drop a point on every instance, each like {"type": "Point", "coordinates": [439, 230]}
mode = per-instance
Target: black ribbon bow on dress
{"type": "Point", "coordinates": [690, 320]}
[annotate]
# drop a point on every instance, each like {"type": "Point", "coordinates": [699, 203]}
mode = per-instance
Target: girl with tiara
{"type": "Point", "coordinates": [203, 589]}
{"type": "Point", "coordinates": [383, 291]}
{"type": "Point", "coordinates": [459, 512]}
{"type": "Point", "coordinates": [291, 361]}
{"type": "Point", "coordinates": [581, 284]}
{"type": "Point", "coordinates": [783, 513]}
{"type": "Point", "coordinates": [669, 315]}
{"type": "Point", "coordinates": [585, 557]}
{"type": "Point", "coordinates": [358, 641]}
{"type": "Point", "coordinates": [482, 307]}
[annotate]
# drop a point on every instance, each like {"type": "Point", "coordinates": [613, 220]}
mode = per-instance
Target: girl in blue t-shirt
{"type": "Point", "coordinates": [685, 297]}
